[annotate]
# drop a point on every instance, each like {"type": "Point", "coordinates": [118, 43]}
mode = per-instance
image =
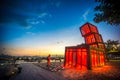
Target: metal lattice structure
{"type": "Point", "coordinates": [90, 54]}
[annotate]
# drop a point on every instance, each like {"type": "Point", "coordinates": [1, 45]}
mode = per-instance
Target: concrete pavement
{"type": "Point", "coordinates": [32, 72]}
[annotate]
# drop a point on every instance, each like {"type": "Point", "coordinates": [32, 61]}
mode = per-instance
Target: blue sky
{"type": "Point", "coordinates": [39, 27]}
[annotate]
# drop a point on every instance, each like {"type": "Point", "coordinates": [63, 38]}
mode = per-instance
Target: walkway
{"type": "Point", "coordinates": [32, 72]}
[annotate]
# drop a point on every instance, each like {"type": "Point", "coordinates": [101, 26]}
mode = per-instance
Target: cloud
{"type": "Point", "coordinates": [58, 4]}
{"type": "Point", "coordinates": [43, 22]}
{"type": "Point", "coordinates": [25, 15]}
{"type": "Point", "coordinates": [85, 14]}
{"type": "Point", "coordinates": [9, 13]}
{"type": "Point", "coordinates": [55, 3]}
{"type": "Point", "coordinates": [30, 33]}
{"type": "Point", "coordinates": [28, 27]}
{"type": "Point", "coordinates": [39, 19]}
{"type": "Point", "coordinates": [12, 11]}
{"type": "Point", "coordinates": [33, 21]}
{"type": "Point", "coordinates": [42, 15]}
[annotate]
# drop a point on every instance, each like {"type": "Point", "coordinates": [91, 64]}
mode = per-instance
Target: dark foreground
{"type": "Point", "coordinates": [33, 72]}
{"type": "Point", "coordinates": [111, 71]}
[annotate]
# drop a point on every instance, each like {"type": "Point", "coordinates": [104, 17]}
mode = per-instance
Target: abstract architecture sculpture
{"type": "Point", "coordinates": [90, 54]}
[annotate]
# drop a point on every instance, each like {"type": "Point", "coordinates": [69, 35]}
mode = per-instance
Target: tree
{"type": "Point", "coordinates": [112, 46]}
{"type": "Point", "coordinates": [108, 11]}
{"type": "Point", "coordinates": [119, 48]}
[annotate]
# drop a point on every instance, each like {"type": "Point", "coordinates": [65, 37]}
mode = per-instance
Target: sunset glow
{"type": "Point", "coordinates": [47, 26]}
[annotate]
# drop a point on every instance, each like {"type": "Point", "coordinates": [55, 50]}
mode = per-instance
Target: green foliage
{"type": "Point", "coordinates": [112, 46]}
{"type": "Point", "coordinates": [119, 48]}
{"type": "Point", "coordinates": [108, 11]}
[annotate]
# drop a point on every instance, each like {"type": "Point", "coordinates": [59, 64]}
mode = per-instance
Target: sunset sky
{"type": "Point", "coordinates": [42, 27]}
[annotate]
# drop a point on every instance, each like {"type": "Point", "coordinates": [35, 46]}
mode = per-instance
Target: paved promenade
{"type": "Point", "coordinates": [32, 72]}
